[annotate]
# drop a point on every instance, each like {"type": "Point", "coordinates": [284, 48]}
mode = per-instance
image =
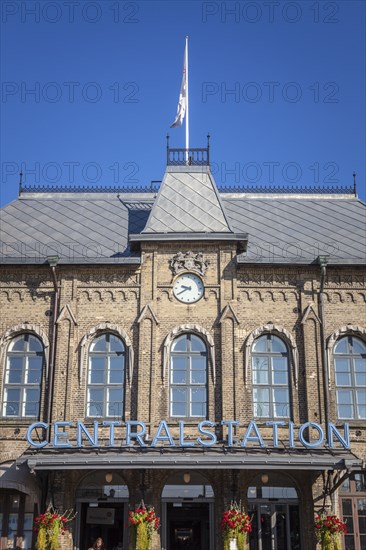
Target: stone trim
{"type": "Point", "coordinates": [282, 333]}
{"type": "Point", "coordinates": [96, 331]}
{"type": "Point", "coordinates": [183, 329]}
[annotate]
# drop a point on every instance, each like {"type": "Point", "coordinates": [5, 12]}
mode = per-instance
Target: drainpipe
{"type": "Point", "coordinates": [323, 261]}
{"type": "Point", "coordinates": [52, 261]}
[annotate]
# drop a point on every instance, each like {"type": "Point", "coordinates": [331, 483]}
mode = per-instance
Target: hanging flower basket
{"type": "Point", "coordinates": [329, 530]}
{"type": "Point", "coordinates": [50, 526]}
{"type": "Point", "coordinates": [143, 522]}
{"type": "Point", "coordinates": [236, 524]}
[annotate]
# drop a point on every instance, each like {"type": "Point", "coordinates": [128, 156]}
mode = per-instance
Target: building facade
{"type": "Point", "coordinates": [185, 348]}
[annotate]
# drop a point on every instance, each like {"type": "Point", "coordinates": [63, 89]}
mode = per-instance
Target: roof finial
{"type": "Point", "coordinates": [354, 183]}
{"type": "Point", "coordinates": [20, 181]}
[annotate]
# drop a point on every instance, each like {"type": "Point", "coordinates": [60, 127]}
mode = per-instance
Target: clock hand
{"type": "Point", "coordinates": [184, 289]}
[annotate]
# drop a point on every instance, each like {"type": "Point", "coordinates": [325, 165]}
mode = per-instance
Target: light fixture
{"type": "Point", "coordinates": [109, 477]}
{"type": "Point", "coordinates": [187, 477]}
{"type": "Point", "coordinates": [53, 260]}
{"type": "Point", "coordinates": [264, 478]}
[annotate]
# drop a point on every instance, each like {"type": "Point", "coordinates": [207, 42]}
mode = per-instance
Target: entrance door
{"type": "Point", "coordinates": [275, 514]}
{"type": "Point", "coordinates": [188, 526]}
{"type": "Point", "coordinates": [105, 521]}
{"type": "Point", "coordinates": [187, 513]}
{"type": "Point", "coordinates": [274, 526]}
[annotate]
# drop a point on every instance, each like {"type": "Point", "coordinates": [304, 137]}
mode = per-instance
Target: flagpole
{"type": "Point", "coordinates": [187, 109]}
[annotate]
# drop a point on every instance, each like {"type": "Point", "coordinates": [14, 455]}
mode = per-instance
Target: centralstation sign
{"type": "Point", "coordinates": [68, 435]}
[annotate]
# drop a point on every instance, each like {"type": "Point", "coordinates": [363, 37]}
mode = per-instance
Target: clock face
{"type": "Point", "coordinates": [188, 288]}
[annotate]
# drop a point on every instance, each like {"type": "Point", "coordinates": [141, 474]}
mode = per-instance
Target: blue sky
{"type": "Point", "coordinates": [280, 86]}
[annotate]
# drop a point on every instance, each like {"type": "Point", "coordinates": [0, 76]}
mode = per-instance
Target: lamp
{"type": "Point", "coordinates": [52, 260]}
{"type": "Point", "coordinates": [187, 477]}
{"type": "Point", "coordinates": [264, 478]}
{"type": "Point", "coordinates": [109, 477]}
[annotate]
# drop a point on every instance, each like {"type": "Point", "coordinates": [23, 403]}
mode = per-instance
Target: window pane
{"type": "Point", "coordinates": [180, 344]}
{"type": "Point", "coordinates": [260, 370]}
{"type": "Point", "coordinates": [14, 376]}
{"type": "Point", "coordinates": [344, 397]}
{"type": "Point", "coordinates": [18, 344]}
{"type": "Point", "coordinates": [11, 408]}
{"type": "Point", "coordinates": [261, 402]}
{"type": "Point", "coordinates": [345, 404]}
{"type": "Point", "coordinates": [179, 377]}
{"type": "Point", "coordinates": [116, 372]}
{"type": "Point", "coordinates": [12, 526]}
{"type": "Point", "coordinates": [360, 482]}
{"type": "Point", "coordinates": [12, 402]}
{"type": "Point", "coordinates": [114, 406]}
{"type": "Point", "coordinates": [33, 375]}
{"type": "Point", "coordinates": [280, 370]}
{"type": "Point", "coordinates": [281, 402]}
{"type": "Point", "coordinates": [341, 346]}
{"type": "Point", "coordinates": [358, 346]}
{"type": "Point", "coordinates": [346, 486]}
{"type": "Point", "coordinates": [360, 372]}
{"type": "Point", "coordinates": [198, 409]}
{"type": "Point", "coordinates": [179, 409]}
{"type": "Point", "coordinates": [95, 406]}
{"type": "Point", "coordinates": [31, 405]}
{"type": "Point", "coordinates": [115, 344]}
{"type": "Point", "coordinates": [96, 371]}
{"type": "Point", "coordinates": [198, 377]}
{"type": "Point", "coordinates": [116, 377]}
{"type": "Point", "coordinates": [277, 345]}
{"type": "Point", "coordinates": [99, 344]}
{"type": "Point", "coordinates": [343, 372]}
{"type": "Point", "coordinates": [197, 344]}
{"type": "Point", "coordinates": [260, 345]}
{"type": "Point", "coordinates": [179, 395]}
{"type": "Point", "coordinates": [347, 507]}
{"type": "Point", "coordinates": [179, 400]}
{"type": "Point", "coordinates": [198, 362]}
{"type": "Point", "coordinates": [35, 345]}
{"type": "Point", "coordinates": [28, 521]}
{"type": "Point", "coordinates": [116, 362]}
{"type": "Point", "coordinates": [361, 403]}
{"type": "Point", "coordinates": [198, 395]}
{"type": "Point", "coordinates": [179, 363]}
{"type": "Point", "coordinates": [198, 398]}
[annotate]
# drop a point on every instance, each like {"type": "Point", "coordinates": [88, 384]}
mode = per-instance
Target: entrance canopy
{"type": "Point", "coordinates": [219, 458]}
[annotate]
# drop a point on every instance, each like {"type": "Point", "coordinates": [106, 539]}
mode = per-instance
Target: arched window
{"type": "Point", "coordinates": [350, 377]}
{"type": "Point", "coordinates": [106, 377]}
{"type": "Point", "coordinates": [270, 368]}
{"type": "Point", "coordinates": [23, 377]}
{"type": "Point", "coordinates": [188, 377]}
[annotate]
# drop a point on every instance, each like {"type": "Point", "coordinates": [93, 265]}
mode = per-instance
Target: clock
{"type": "Point", "coordinates": [188, 288]}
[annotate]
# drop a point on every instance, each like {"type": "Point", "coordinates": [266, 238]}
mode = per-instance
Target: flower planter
{"type": "Point", "coordinates": [144, 523]}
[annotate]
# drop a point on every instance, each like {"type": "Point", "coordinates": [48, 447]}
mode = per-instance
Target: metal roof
{"type": "Point", "coordinates": [187, 202]}
{"type": "Point", "coordinates": [299, 229]}
{"type": "Point", "coordinates": [95, 227]}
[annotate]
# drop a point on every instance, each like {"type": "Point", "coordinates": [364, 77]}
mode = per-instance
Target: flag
{"type": "Point", "coordinates": [182, 102]}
